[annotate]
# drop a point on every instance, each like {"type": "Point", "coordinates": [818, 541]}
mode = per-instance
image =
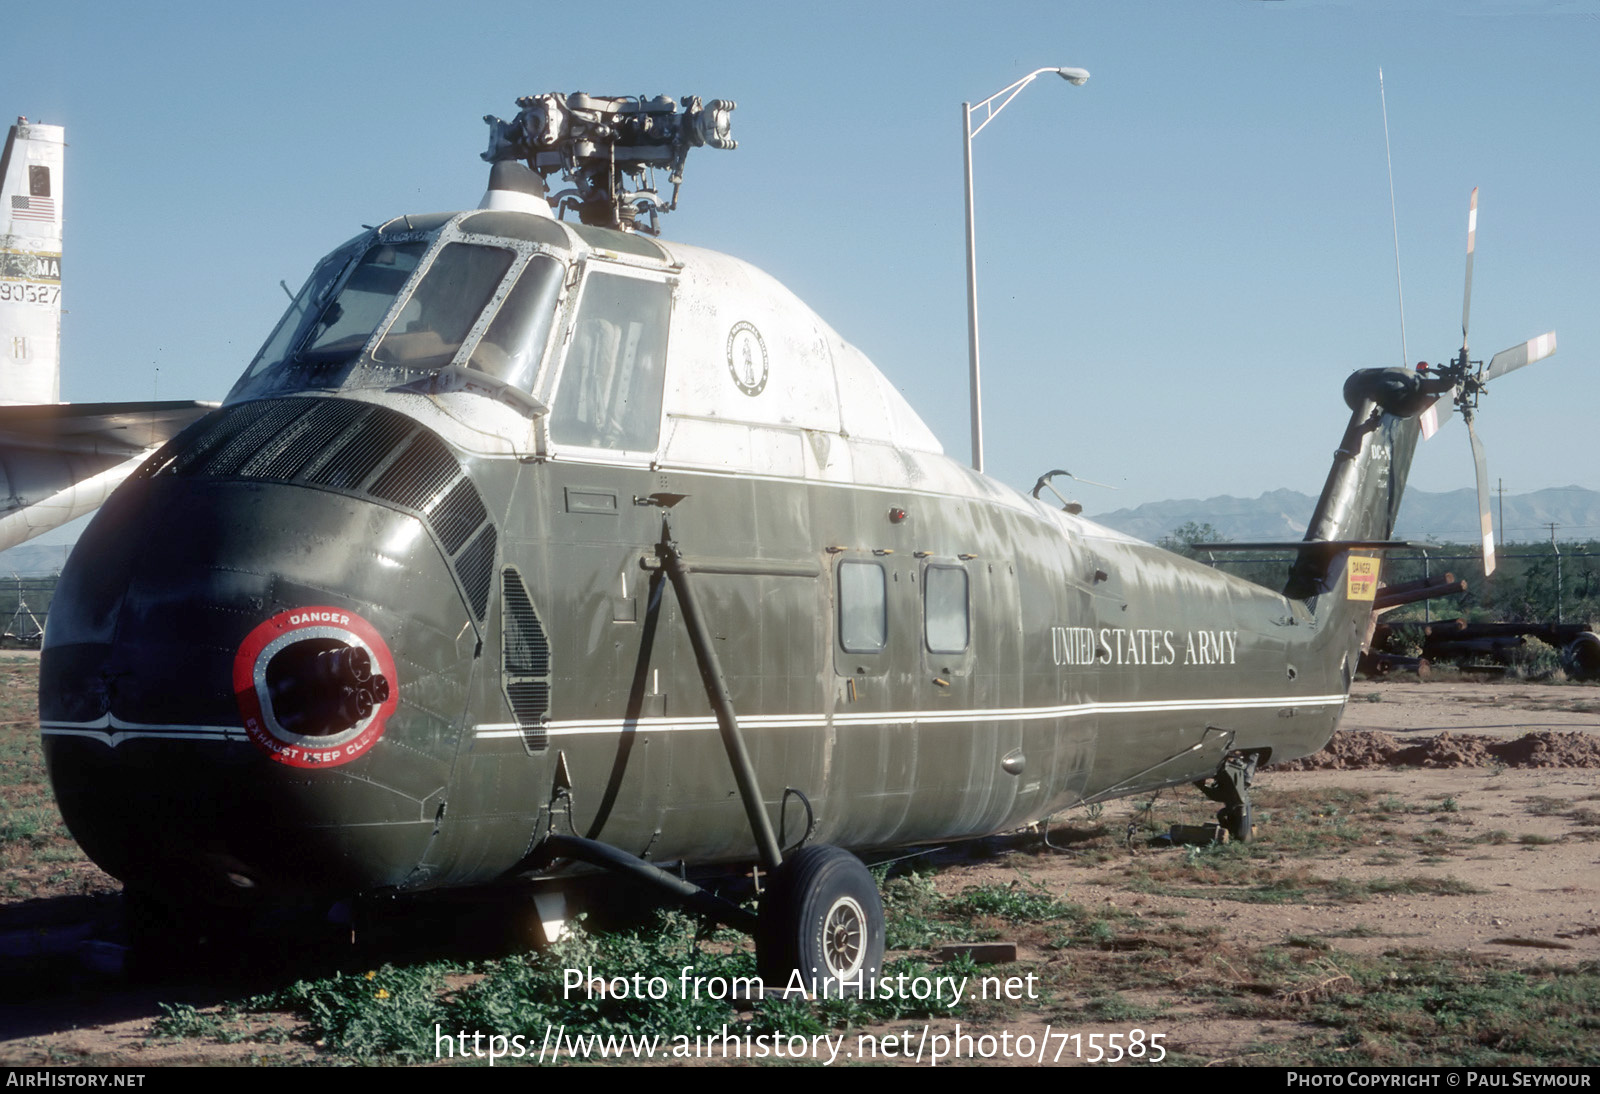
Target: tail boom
{"type": "Point", "coordinates": [1361, 499]}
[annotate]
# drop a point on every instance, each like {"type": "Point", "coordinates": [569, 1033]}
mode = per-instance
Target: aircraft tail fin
{"type": "Point", "coordinates": [30, 263]}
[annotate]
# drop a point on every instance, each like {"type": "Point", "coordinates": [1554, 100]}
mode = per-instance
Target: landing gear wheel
{"type": "Point", "coordinates": [1238, 821]}
{"type": "Point", "coordinates": [821, 916]}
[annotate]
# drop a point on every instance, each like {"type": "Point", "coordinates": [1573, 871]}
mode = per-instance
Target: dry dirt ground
{"type": "Point", "coordinates": [1507, 826]}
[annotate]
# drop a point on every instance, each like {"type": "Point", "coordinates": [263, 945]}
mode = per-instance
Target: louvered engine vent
{"type": "Point", "coordinates": [525, 674]}
{"type": "Point", "coordinates": [352, 448]}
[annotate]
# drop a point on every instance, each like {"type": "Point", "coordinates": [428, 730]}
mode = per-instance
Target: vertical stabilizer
{"type": "Point", "coordinates": [30, 264]}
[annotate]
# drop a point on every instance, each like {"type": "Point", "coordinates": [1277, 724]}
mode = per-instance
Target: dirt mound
{"type": "Point", "coordinates": [1368, 749]}
{"type": "Point", "coordinates": [1360, 748]}
{"type": "Point", "coordinates": [1547, 749]}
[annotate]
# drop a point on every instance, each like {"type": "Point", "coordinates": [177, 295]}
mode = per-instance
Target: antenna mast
{"type": "Point", "coordinates": [1394, 220]}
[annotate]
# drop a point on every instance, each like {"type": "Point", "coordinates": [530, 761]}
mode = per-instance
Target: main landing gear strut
{"type": "Point", "coordinates": [821, 915]}
{"type": "Point", "coordinates": [1231, 786]}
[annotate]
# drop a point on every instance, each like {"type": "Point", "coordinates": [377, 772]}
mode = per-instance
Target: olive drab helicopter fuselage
{"type": "Point", "coordinates": [527, 548]}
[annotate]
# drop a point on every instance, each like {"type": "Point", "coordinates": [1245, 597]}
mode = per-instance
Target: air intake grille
{"type": "Point", "coordinates": [458, 514]}
{"type": "Point", "coordinates": [475, 568]}
{"type": "Point", "coordinates": [348, 464]}
{"type": "Point", "coordinates": [349, 447]}
{"type": "Point", "coordinates": [420, 475]}
{"type": "Point", "coordinates": [260, 430]}
{"type": "Point", "coordinates": [310, 437]}
{"type": "Point", "coordinates": [525, 670]}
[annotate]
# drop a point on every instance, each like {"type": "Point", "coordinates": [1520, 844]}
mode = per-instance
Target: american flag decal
{"type": "Point", "coordinates": [24, 207]}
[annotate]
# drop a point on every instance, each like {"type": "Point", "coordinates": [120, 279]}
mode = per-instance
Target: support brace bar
{"type": "Point", "coordinates": [601, 854]}
{"type": "Point", "coordinates": [705, 656]}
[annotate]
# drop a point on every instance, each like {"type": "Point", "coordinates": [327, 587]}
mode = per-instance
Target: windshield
{"type": "Point", "coordinates": [435, 321]}
{"type": "Point", "coordinates": [291, 329]}
{"type": "Point", "coordinates": [350, 318]}
{"type": "Point", "coordinates": [422, 310]}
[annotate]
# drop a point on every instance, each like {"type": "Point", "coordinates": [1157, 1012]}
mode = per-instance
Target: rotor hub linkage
{"type": "Point", "coordinates": [609, 148]}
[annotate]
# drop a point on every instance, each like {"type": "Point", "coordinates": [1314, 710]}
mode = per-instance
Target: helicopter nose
{"type": "Point", "coordinates": [255, 684]}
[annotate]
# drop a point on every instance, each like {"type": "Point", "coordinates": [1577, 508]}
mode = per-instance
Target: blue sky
{"type": "Point", "coordinates": [1179, 261]}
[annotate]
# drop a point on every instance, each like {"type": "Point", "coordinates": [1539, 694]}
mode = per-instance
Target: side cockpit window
{"type": "Point", "coordinates": [610, 389]}
{"type": "Point", "coordinates": [511, 349]}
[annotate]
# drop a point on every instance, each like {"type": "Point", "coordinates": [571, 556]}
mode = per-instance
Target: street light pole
{"type": "Point", "coordinates": [972, 300]}
{"type": "Point", "coordinates": [1075, 76]}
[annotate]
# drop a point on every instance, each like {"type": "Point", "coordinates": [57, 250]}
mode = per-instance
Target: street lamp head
{"type": "Point", "coordinates": [1075, 76]}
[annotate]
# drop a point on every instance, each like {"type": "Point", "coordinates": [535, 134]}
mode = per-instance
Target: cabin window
{"type": "Point", "coordinates": [863, 607]}
{"type": "Point", "coordinates": [610, 391]}
{"type": "Point", "coordinates": [510, 350]}
{"type": "Point", "coordinates": [946, 623]}
{"type": "Point", "coordinates": [443, 307]}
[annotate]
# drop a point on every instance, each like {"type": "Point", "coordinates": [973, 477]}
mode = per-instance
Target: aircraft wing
{"type": "Point", "coordinates": [60, 461]}
{"type": "Point", "coordinates": [107, 428]}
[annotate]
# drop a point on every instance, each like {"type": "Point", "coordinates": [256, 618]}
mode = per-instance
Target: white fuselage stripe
{"type": "Point", "coordinates": [114, 731]}
{"type": "Point", "coordinates": [910, 717]}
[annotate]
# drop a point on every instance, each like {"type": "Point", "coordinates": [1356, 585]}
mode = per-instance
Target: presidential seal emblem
{"type": "Point", "coordinates": [747, 358]}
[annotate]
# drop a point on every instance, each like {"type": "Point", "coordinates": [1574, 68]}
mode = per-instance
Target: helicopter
{"type": "Point", "coordinates": [531, 549]}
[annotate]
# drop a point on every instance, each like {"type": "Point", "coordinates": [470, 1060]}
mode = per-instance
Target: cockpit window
{"type": "Point", "coordinates": [425, 305]}
{"type": "Point", "coordinates": [451, 295]}
{"type": "Point", "coordinates": [351, 317]}
{"type": "Point", "coordinates": [610, 388]}
{"type": "Point", "coordinates": [511, 349]}
{"type": "Point", "coordinates": [307, 305]}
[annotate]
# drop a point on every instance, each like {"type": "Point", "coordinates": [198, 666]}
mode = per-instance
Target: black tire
{"type": "Point", "coordinates": [1239, 820]}
{"type": "Point", "coordinates": [821, 916]}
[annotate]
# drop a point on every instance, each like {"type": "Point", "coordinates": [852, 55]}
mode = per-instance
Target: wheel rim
{"type": "Point", "coordinates": [844, 938]}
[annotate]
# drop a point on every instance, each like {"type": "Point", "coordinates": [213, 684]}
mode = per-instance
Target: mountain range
{"type": "Point", "coordinates": [1450, 517]}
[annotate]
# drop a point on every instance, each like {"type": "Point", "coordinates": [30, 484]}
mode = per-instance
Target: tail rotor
{"type": "Point", "coordinates": [1467, 379]}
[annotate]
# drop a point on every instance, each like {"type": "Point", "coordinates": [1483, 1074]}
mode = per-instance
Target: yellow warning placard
{"type": "Point", "coordinates": [1361, 578]}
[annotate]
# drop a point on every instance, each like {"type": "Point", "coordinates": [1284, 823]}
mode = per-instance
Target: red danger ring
{"type": "Point", "coordinates": [250, 688]}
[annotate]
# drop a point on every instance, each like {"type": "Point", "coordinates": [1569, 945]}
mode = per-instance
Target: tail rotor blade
{"type": "Point", "coordinates": [1484, 523]}
{"type": "Point", "coordinates": [1438, 413]}
{"type": "Point", "coordinates": [1509, 360]}
{"type": "Point", "coordinates": [1472, 245]}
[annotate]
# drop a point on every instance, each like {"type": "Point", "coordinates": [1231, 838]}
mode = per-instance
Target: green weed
{"type": "Point", "coordinates": [1017, 902]}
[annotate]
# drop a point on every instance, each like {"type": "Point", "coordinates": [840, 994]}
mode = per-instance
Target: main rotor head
{"type": "Point", "coordinates": [609, 148]}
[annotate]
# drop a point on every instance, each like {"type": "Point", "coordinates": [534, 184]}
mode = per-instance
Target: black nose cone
{"type": "Point", "coordinates": [260, 655]}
